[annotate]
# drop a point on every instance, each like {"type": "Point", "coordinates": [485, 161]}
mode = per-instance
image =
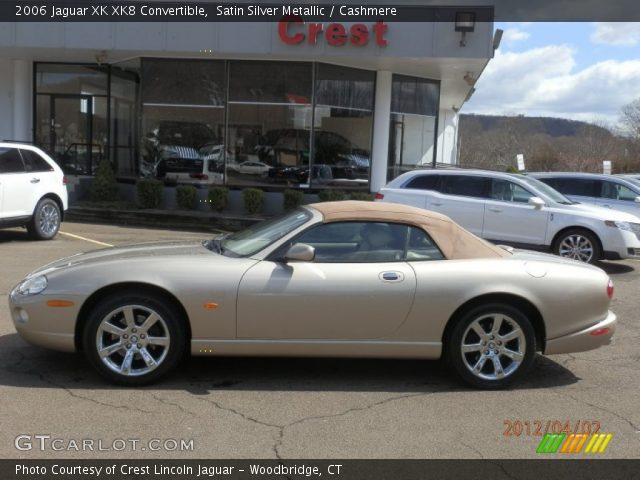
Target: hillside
{"type": "Point", "coordinates": [554, 127]}
{"type": "Point", "coordinates": [487, 141]}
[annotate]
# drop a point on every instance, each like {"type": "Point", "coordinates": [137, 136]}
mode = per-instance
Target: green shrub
{"type": "Point", "coordinates": [149, 192]}
{"type": "Point", "coordinates": [364, 196]}
{"type": "Point", "coordinates": [293, 199]}
{"type": "Point", "coordinates": [511, 169]}
{"type": "Point", "coordinates": [253, 200]}
{"type": "Point", "coordinates": [104, 187]}
{"type": "Point", "coordinates": [218, 198]}
{"type": "Point", "coordinates": [329, 195]}
{"type": "Point", "coordinates": [186, 197]}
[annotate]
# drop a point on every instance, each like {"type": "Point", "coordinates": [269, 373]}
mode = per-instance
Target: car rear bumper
{"type": "Point", "coordinates": [588, 339]}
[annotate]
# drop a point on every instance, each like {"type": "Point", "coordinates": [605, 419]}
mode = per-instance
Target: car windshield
{"type": "Point", "coordinates": [253, 239]}
{"type": "Point", "coordinates": [546, 190]}
{"type": "Point", "coordinates": [634, 180]}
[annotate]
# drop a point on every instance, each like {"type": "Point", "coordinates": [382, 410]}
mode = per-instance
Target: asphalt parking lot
{"type": "Point", "coordinates": [304, 408]}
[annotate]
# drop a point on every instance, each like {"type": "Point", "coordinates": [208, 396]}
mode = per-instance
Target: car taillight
{"type": "Point", "coordinates": [64, 180]}
{"type": "Point", "coordinates": [200, 176]}
{"type": "Point", "coordinates": [610, 289]}
{"type": "Point", "coordinates": [378, 196]}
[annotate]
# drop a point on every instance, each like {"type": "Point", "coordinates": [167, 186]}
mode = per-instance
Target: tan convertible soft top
{"type": "Point", "coordinates": [455, 242]}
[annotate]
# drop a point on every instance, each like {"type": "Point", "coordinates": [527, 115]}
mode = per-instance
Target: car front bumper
{"type": "Point", "coordinates": [621, 244]}
{"type": "Point", "coordinates": [583, 340]}
{"type": "Point", "coordinates": [42, 325]}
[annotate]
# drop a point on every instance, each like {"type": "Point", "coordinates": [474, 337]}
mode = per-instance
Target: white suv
{"type": "Point", "coordinates": [33, 191]}
{"type": "Point", "coordinates": [618, 193]}
{"type": "Point", "coordinates": [520, 211]}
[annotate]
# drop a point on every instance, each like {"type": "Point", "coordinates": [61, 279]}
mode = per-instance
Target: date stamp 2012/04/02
{"type": "Point", "coordinates": [537, 428]}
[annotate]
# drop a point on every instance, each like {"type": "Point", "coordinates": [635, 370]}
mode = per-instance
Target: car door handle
{"type": "Point", "coordinates": [391, 276]}
{"type": "Point", "coordinates": [494, 209]}
{"type": "Point", "coordinates": [35, 180]}
{"type": "Point", "coordinates": [606, 206]}
{"type": "Point", "coordinates": [436, 204]}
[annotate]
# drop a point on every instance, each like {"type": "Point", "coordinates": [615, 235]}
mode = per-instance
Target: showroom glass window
{"type": "Point", "coordinates": [182, 119]}
{"type": "Point", "coordinates": [343, 122]}
{"type": "Point", "coordinates": [71, 121]}
{"type": "Point", "coordinates": [125, 112]}
{"type": "Point", "coordinates": [269, 122]}
{"type": "Point", "coordinates": [412, 136]}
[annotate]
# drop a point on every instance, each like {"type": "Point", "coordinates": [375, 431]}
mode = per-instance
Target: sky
{"type": "Point", "coordinates": [583, 71]}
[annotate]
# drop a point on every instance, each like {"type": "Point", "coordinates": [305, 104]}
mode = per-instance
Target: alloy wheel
{"type": "Point", "coordinates": [132, 340]}
{"type": "Point", "coordinates": [577, 247]}
{"type": "Point", "coordinates": [493, 346]}
{"type": "Point", "coordinates": [48, 220]}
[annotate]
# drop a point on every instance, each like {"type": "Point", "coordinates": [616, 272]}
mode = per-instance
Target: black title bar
{"type": "Point", "coordinates": [348, 11]}
{"type": "Point", "coordinates": [326, 469]}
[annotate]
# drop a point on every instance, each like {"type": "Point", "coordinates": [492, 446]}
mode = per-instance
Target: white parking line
{"type": "Point", "coordinates": [78, 237]}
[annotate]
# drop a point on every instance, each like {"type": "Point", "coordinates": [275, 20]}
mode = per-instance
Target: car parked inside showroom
{"type": "Point", "coordinates": [609, 191]}
{"type": "Point", "coordinates": [33, 190]}
{"type": "Point", "coordinates": [334, 279]}
{"type": "Point", "coordinates": [519, 210]}
{"type": "Point", "coordinates": [249, 167]}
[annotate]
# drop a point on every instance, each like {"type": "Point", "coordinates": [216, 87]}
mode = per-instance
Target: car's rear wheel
{"type": "Point", "coordinates": [491, 346]}
{"type": "Point", "coordinates": [45, 222]}
{"type": "Point", "coordinates": [134, 340]}
{"type": "Point", "coordinates": [578, 244]}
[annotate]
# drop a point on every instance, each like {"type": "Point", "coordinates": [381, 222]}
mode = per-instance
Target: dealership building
{"type": "Point", "coordinates": [282, 104]}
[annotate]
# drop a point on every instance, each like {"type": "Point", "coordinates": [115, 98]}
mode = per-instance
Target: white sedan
{"type": "Point", "coordinates": [250, 167]}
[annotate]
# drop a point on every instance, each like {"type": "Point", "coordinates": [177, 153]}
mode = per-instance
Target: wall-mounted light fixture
{"type": "Point", "coordinates": [470, 79]}
{"type": "Point", "coordinates": [497, 37]}
{"type": "Point", "coordinates": [465, 22]}
{"type": "Point", "coordinates": [101, 57]}
{"type": "Point", "coordinates": [470, 94]}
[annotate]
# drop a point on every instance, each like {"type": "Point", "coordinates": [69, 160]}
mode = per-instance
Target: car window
{"type": "Point", "coordinates": [369, 242]}
{"type": "Point", "coordinates": [34, 162]}
{"type": "Point", "coordinates": [552, 182]}
{"type": "Point", "coordinates": [10, 161]}
{"type": "Point", "coordinates": [507, 191]}
{"type": "Point", "coordinates": [421, 247]}
{"type": "Point", "coordinates": [584, 187]}
{"type": "Point", "coordinates": [545, 190]}
{"type": "Point", "coordinates": [424, 182]}
{"type": "Point", "coordinates": [615, 191]}
{"type": "Point", "coordinates": [466, 185]}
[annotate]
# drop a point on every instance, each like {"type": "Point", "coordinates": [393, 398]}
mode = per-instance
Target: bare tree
{"type": "Point", "coordinates": [630, 123]}
{"type": "Point", "coordinates": [630, 119]}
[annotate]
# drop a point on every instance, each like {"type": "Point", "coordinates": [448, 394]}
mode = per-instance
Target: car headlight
{"type": "Point", "coordinates": [32, 286]}
{"type": "Point", "coordinates": [628, 226]}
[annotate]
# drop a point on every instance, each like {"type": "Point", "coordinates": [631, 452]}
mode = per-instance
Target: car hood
{"type": "Point", "coordinates": [600, 213]}
{"type": "Point", "coordinates": [139, 250]}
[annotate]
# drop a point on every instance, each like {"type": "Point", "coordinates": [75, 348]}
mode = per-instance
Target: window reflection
{"type": "Point", "coordinates": [414, 108]}
{"type": "Point", "coordinates": [343, 126]}
{"type": "Point", "coordinates": [269, 124]}
{"type": "Point", "coordinates": [183, 120]}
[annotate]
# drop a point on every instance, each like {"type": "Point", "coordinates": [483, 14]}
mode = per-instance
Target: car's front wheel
{"type": "Point", "coordinates": [491, 346]}
{"type": "Point", "coordinates": [578, 244]}
{"type": "Point", "coordinates": [45, 222]}
{"type": "Point", "coordinates": [134, 340]}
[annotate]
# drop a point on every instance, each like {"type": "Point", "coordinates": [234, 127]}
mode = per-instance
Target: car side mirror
{"type": "Point", "coordinates": [300, 252]}
{"type": "Point", "coordinates": [637, 200]}
{"type": "Point", "coordinates": [536, 202]}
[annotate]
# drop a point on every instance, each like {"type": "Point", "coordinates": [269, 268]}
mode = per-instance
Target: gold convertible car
{"type": "Point", "coordinates": [336, 279]}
